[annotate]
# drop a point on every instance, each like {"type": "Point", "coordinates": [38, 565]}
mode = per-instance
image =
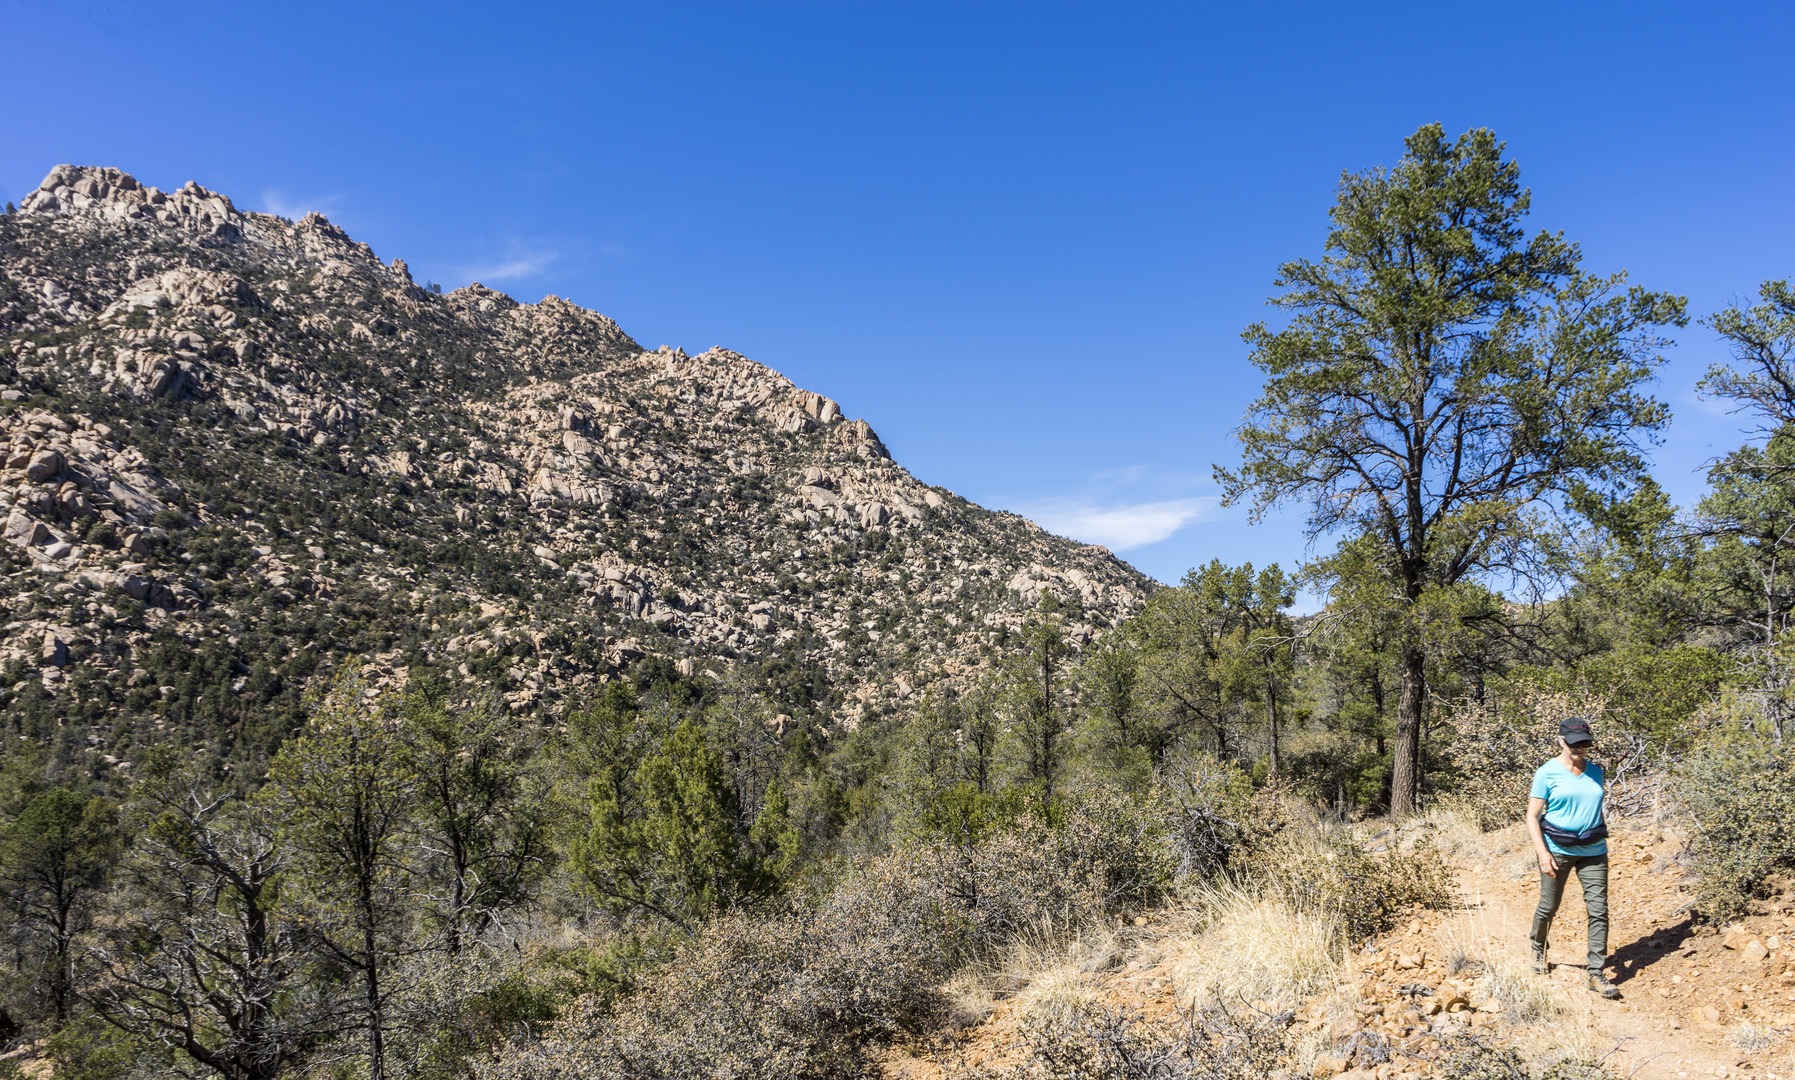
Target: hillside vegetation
{"type": "Point", "coordinates": [239, 449]}
{"type": "Point", "coordinates": [400, 684]}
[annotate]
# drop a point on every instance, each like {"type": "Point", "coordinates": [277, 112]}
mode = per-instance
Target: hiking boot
{"type": "Point", "coordinates": [1540, 964]}
{"type": "Point", "coordinates": [1599, 984]}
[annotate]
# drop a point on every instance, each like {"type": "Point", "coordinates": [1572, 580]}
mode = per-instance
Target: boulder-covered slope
{"type": "Point", "coordinates": [239, 448]}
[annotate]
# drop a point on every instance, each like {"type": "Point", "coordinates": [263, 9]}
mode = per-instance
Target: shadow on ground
{"type": "Point", "coordinates": [1630, 959]}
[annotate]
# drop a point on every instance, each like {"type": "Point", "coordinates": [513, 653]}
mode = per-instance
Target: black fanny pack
{"type": "Point", "coordinates": [1567, 838]}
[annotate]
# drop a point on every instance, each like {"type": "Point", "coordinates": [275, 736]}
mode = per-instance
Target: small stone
{"type": "Point", "coordinates": [1754, 951]}
{"type": "Point", "coordinates": [1327, 1067]}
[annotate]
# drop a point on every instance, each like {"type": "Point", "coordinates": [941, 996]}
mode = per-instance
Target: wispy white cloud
{"type": "Point", "coordinates": [292, 207]}
{"type": "Point", "coordinates": [1123, 481]}
{"type": "Point", "coordinates": [527, 265]}
{"type": "Point", "coordinates": [1118, 526]}
{"type": "Point", "coordinates": [518, 258]}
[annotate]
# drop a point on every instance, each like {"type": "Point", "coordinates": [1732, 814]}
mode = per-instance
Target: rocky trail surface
{"type": "Point", "coordinates": [1696, 1001]}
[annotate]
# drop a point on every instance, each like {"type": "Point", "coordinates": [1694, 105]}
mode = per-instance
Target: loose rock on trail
{"type": "Point", "coordinates": [1696, 1001]}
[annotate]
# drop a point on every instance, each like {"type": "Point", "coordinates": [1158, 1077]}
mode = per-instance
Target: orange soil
{"type": "Point", "coordinates": [1687, 992]}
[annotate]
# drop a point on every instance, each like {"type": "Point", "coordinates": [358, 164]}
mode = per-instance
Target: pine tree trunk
{"type": "Point", "coordinates": [376, 1022]}
{"type": "Point", "coordinates": [1405, 766]}
{"type": "Point", "coordinates": [1275, 763]}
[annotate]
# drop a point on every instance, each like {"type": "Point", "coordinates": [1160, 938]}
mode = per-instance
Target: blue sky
{"type": "Point", "coordinates": [1020, 239]}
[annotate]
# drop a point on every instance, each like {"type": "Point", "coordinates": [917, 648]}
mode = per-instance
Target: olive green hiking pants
{"type": "Point", "coordinates": [1592, 874]}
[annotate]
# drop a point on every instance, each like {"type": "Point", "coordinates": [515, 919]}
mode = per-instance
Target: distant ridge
{"type": "Point", "coordinates": [240, 448]}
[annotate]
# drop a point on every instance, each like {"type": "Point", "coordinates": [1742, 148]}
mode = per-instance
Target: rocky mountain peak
{"type": "Point", "coordinates": [232, 437]}
{"type": "Point", "coordinates": [112, 195]}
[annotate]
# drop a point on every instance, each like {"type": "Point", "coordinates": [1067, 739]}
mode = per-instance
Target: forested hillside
{"type": "Point", "coordinates": [407, 684]}
{"type": "Point", "coordinates": [241, 449]}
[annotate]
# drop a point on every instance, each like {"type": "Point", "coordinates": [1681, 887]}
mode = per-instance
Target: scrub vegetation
{"type": "Point", "coordinates": [659, 828]}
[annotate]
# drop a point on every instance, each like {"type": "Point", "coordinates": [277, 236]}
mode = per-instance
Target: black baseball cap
{"type": "Point", "coordinates": [1574, 730]}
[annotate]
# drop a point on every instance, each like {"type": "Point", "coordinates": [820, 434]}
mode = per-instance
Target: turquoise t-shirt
{"type": "Point", "coordinates": [1573, 802]}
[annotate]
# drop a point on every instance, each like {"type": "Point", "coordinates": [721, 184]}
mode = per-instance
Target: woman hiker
{"type": "Point", "coordinates": [1569, 827]}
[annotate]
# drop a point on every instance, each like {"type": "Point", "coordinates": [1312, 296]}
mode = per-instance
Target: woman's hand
{"type": "Point", "coordinates": [1536, 808]}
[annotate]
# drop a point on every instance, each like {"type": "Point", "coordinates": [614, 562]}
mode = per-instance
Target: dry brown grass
{"type": "Point", "coordinates": [971, 996]}
{"type": "Point", "coordinates": [1752, 1038]}
{"type": "Point", "coordinates": [1455, 831]}
{"type": "Point", "coordinates": [1047, 974]}
{"type": "Point", "coordinates": [1054, 995]}
{"type": "Point", "coordinates": [1526, 997]}
{"type": "Point", "coordinates": [1250, 948]}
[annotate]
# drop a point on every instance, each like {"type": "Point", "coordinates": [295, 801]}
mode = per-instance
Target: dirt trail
{"type": "Point", "coordinates": [1695, 1002]}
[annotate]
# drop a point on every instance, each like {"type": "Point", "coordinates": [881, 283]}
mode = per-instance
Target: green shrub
{"type": "Point", "coordinates": [1654, 693]}
{"type": "Point", "coordinates": [1210, 806]}
{"type": "Point", "coordinates": [1106, 854]}
{"type": "Point", "coordinates": [799, 994]}
{"type": "Point", "coordinates": [805, 991]}
{"type": "Point", "coordinates": [1739, 796]}
{"type": "Point", "coordinates": [1471, 1058]}
{"type": "Point", "coordinates": [1494, 749]}
{"type": "Point", "coordinates": [1342, 769]}
{"type": "Point", "coordinates": [964, 814]}
{"type": "Point", "coordinates": [1330, 872]}
{"type": "Point", "coordinates": [480, 1023]}
{"type": "Point", "coordinates": [1210, 1044]}
{"type": "Point", "coordinates": [87, 1048]}
{"type": "Point", "coordinates": [883, 943]}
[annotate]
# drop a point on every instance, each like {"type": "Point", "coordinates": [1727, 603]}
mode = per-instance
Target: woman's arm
{"type": "Point", "coordinates": [1547, 864]}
